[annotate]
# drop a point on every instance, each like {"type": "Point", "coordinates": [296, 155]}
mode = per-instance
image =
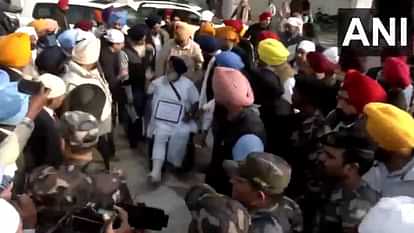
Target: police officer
{"type": "Point", "coordinates": [259, 183]}
{"type": "Point", "coordinates": [345, 159]}
{"type": "Point", "coordinates": [78, 182]}
{"type": "Point", "coordinates": [213, 212]}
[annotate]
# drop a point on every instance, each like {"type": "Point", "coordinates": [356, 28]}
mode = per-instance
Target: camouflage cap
{"type": "Point", "coordinates": [215, 213]}
{"type": "Point", "coordinates": [79, 129]}
{"type": "Point", "coordinates": [265, 171]}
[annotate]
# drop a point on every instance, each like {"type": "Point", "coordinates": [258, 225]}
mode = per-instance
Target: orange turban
{"type": "Point", "coordinates": [43, 26]}
{"type": "Point", "coordinates": [228, 33]}
{"type": "Point", "coordinates": [207, 29]}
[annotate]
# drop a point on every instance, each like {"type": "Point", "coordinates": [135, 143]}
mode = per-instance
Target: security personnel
{"type": "Point", "coordinates": [259, 183]}
{"type": "Point", "coordinates": [78, 182]}
{"type": "Point", "coordinates": [345, 159]}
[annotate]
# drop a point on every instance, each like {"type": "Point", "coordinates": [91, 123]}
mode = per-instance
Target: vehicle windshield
{"type": "Point", "coordinates": [75, 14]}
{"type": "Point", "coordinates": [186, 16]}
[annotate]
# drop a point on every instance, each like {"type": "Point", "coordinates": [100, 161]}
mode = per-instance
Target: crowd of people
{"type": "Point", "coordinates": [304, 138]}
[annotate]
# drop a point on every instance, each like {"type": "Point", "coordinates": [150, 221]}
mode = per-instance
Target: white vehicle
{"type": "Point", "coordinates": [79, 9]}
{"type": "Point", "coordinates": [138, 10]}
{"type": "Point", "coordinates": [186, 11]}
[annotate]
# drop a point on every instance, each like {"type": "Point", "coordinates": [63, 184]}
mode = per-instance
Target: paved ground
{"type": "Point", "coordinates": [169, 196]}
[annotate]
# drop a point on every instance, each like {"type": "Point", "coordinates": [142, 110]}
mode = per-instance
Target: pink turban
{"type": "Point", "coordinates": [231, 88]}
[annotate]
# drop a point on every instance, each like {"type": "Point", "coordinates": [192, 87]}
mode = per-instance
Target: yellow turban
{"type": "Point", "coordinates": [207, 29]}
{"type": "Point", "coordinates": [15, 50]}
{"type": "Point", "coordinates": [228, 33]}
{"type": "Point", "coordinates": [390, 127]}
{"type": "Point", "coordinates": [273, 52]}
{"type": "Point", "coordinates": [43, 26]}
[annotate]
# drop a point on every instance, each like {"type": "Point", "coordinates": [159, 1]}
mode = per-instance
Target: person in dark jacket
{"type": "Point", "coordinates": [235, 117]}
{"type": "Point", "coordinates": [60, 14]}
{"type": "Point", "coordinates": [156, 36]}
{"type": "Point", "coordinates": [254, 30]}
{"type": "Point", "coordinates": [275, 111]}
{"type": "Point", "coordinates": [45, 144]}
{"type": "Point", "coordinates": [140, 59]}
{"type": "Point", "coordinates": [113, 63]}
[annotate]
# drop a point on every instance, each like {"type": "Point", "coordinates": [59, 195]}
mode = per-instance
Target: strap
{"type": "Point", "coordinates": [175, 90]}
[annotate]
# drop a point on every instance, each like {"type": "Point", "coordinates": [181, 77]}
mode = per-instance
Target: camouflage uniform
{"type": "Point", "coordinates": [215, 213]}
{"type": "Point", "coordinates": [346, 209]}
{"type": "Point", "coordinates": [74, 185]}
{"type": "Point", "coordinates": [269, 173]}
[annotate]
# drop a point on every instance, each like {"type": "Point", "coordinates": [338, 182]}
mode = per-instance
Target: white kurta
{"type": "Point", "coordinates": [176, 135]}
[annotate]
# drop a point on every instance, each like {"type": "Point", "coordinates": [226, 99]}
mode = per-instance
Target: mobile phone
{"type": "Point", "coordinates": [29, 87]}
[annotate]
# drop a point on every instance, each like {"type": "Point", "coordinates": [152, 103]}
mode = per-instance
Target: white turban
{"type": "Point", "coordinates": [114, 36]}
{"type": "Point", "coordinates": [87, 50]}
{"type": "Point", "coordinates": [332, 54]}
{"type": "Point", "coordinates": [56, 85]}
{"type": "Point", "coordinates": [296, 22]}
{"type": "Point", "coordinates": [390, 215]}
{"type": "Point", "coordinates": [207, 16]}
{"type": "Point", "coordinates": [10, 219]}
{"type": "Point", "coordinates": [307, 46]}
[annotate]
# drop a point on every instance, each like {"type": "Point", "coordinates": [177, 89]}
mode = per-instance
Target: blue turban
{"type": "Point", "coordinates": [67, 39]}
{"type": "Point", "coordinates": [120, 17]}
{"type": "Point", "coordinates": [230, 60]}
{"type": "Point", "coordinates": [208, 44]}
{"type": "Point", "coordinates": [245, 145]}
{"type": "Point", "coordinates": [14, 104]}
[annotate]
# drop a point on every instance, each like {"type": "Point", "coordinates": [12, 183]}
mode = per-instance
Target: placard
{"type": "Point", "coordinates": [168, 111]}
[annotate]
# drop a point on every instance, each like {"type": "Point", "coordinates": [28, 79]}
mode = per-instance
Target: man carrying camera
{"type": "Point", "coordinates": [60, 194]}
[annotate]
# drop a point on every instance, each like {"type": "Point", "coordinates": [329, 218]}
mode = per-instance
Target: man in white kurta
{"type": "Point", "coordinates": [174, 96]}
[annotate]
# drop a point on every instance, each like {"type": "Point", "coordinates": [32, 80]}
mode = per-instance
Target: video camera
{"type": "Point", "coordinates": [92, 220]}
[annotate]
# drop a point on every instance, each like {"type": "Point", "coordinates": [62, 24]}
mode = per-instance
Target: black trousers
{"type": "Point", "coordinates": [106, 146]}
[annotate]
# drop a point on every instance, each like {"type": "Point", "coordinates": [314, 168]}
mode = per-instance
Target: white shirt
{"type": "Point", "coordinates": [390, 184]}
{"type": "Point", "coordinates": [288, 86]}
{"type": "Point", "coordinates": [50, 112]}
{"type": "Point", "coordinates": [162, 91]}
{"type": "Point", "coordinates": [157, 43]}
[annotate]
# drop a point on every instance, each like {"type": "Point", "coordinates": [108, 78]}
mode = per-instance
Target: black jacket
{"type": "Point", "coordinates": [110, 63]}
{"type": "Point", "coordinates": [253, 33]}
{"type": "Point", "coordinates": [275, 111]}
{"type": "Point", "coordinates": [226, 134]}
{"type": "Point", "coordinates": [137, 65]}
{"type": "Point", "coordinates": [44, 145]}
